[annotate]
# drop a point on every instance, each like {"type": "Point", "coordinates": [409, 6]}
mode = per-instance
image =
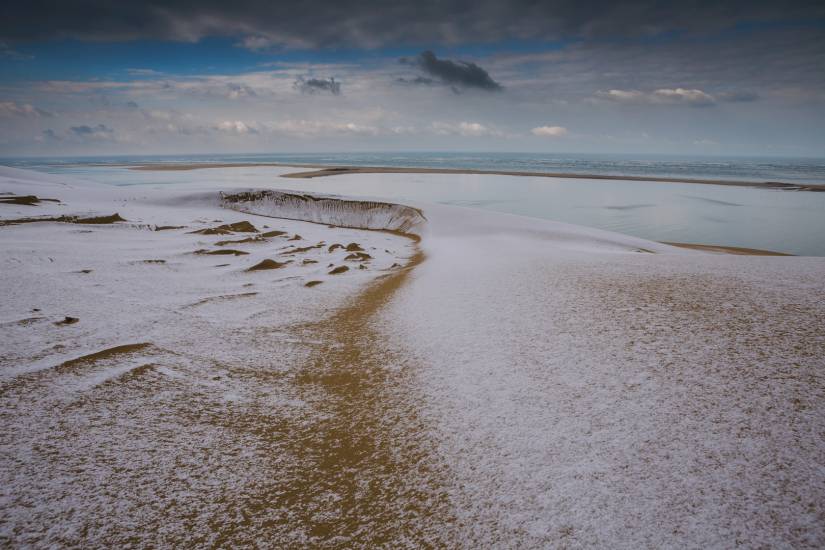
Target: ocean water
{"type": "Point", "coordinates": [792, 170]}
{"type": "Point", "coordinates": [784, 221]}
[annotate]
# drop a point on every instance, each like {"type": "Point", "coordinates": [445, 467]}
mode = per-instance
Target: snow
{"type": "Point", "coordinates": [528, 384]}
{"type": "Point", "coordinates": [585, 396]}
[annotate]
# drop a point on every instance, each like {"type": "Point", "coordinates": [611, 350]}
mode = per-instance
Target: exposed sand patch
{"type": "Point", "coordinates": [247, 240]}
{"type": "Point", "coordinates": [338, 270]}
{"type": "Point", "coordinates": [359, 256]}
{"type": "Point", "coordinates": [221, 298]}
{"type": "Point", "coordinates": [729, 249]}
{"type": "Point", "coordinates": [267, 264]}
{"type": "Point", "coordinates": [92, 220]}
{"type": "Point", "coordinates": [228, 229]}
{"type": "Point", "coordinates": [67, 321]}
{"type": "Point", "coordinates": [24, 200]}
{"type": "Point", "coordinates": [222, 252]}
{"type": "Point", "coordinates": [301, 249]}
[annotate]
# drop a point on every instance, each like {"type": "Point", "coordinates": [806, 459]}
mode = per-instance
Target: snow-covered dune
{"type": "Point", "coordinates": [179, 378]}
{"type": "Point", "coordinates": [586, 393]}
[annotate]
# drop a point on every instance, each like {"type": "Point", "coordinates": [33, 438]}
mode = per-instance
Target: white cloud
{"type": "Point", "coordinates": [466, 129]}
{"type": "Point", "coordinates": [661, 96]}
{"type": "Point", "coordinates": [696, 98]}
{"type": "Point", "coordinates": [311, 128]}
{"type": "Point", "coordinates": [236, 127]}
{"type": "Point", "coordinates": [549, 131]}
{"type": "Point", "coordinates": [623, 96]}
{"type": "Point", "coordinates": [10, 108]}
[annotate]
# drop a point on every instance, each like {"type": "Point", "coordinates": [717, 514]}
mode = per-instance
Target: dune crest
{"type": "Point", "coordinates": [327, 210]}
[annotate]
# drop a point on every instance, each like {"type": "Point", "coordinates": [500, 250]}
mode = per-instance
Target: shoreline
{"type": "Point", "coordinates": [732, 250]}
{"type": "Point", "coordinates": [320, 170]}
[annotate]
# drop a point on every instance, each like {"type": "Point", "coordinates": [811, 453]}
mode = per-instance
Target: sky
{"type": "Point", "coordinates": [94, 77]}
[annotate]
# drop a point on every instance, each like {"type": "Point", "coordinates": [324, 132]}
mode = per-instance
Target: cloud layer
{"type": "Point", "coordinates": [262, 24]}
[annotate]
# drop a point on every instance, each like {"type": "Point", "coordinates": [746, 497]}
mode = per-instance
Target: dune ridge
{"type": "Point", "coordinates": [355, 214]}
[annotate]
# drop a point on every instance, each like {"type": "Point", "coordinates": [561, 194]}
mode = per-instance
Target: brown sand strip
{"type": "Point", "coordinates": [322, 170]}
{"type": "Point", "coordinates": [24, 200]}
{"type": "Point", "coordinates": [74, 364]}
{"type": "Point", "coordinates": [736, 250]}
{"type": "Point", "coordinates": [222, 252]}
{"type": "Point", "coordinates": [67, 219]}
{"type": "Point", "coordinates": [221, 298]}
{"type": "Point", "coordinates": [371, 450]}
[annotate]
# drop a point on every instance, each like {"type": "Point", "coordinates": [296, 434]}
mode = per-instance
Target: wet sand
{"type": "Point", "coordinates": [736, 250]}
{"type": "Point", "coordinates": [320, 170]}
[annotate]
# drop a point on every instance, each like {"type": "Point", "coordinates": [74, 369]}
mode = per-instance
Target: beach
{"type": "Point", "coordinates": [215, 364]}
{"type": "Point", "coordinates": [321, 170]}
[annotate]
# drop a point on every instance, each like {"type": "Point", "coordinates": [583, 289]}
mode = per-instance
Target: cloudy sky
{"type": "Point", "coordinates": [692, 77]}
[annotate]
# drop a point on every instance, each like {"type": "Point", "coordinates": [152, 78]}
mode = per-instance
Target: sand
{"type": "Point", "coordinates": [728, 249]}
{"type": "Point", "coordinates": [323, 171]}
{"type": "Point", "coordinates": [486, 381]}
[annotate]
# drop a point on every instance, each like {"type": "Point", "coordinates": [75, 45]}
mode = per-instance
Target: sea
{"type": "Point", "coordinates": [780, 220]}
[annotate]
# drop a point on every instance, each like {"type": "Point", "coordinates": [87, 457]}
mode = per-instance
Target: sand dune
{"type": "Point", "coordinates": [483, 380]}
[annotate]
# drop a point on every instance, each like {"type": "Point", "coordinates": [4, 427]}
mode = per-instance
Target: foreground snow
{"type": "Point", "coordinates": [528, 384]}
{"type": "Point", "coordinates": [585, 396]}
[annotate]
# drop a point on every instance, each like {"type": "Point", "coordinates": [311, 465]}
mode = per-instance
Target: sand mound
{"type": "Point", "coordinates": [339, 269]}
{"type": "Point", "coordinates": [222, 252]}
{"type": "Point", "coordinates": [241, 241]}
{"type": "Point", "coordinates": [100, 219]}
{"type": "Point", "coordinates": [267, 264]}
{"type": "Point", "coordinates": [327, 210]}
{"type": "Point", "coordinates": [229, 228]}
{"type": "Point", "coordinates": [67, 219]}
{"type": "Point", "coordinates": [67, 321]}
{"type": "Point", "coordinates": [310, 284]}
{"type": "Point", "coordinates": [24, 200]}
{"type": "Point", "coordinates": [359, 256]}
{"type": "Point", "coordinates": [301, 249]}
{"type": "Point", "coordinates": [354, 247]}
{"type": "Point", "coordinates": [107, 353]}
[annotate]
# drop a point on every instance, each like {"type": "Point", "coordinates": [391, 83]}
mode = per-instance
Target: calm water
{"type": "Point", "coordinates": [794, 170]}
{"type": "Point", "coordinates": [784, 221]}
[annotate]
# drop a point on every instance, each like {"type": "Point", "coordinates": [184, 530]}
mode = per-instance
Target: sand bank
{"type": "Point", "coordinates": [737, 250]}
{"type": "Point", "coordinates": [323, 171]}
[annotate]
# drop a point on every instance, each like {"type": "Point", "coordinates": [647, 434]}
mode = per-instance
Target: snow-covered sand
{"type": "Point", "coordinates": [506, 382]}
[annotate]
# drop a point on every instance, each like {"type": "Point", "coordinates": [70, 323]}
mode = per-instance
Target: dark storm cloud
{"type": "Point", "coordinates": [418, 80]}
{"type": "Point", "coordinates": [317, 85]}
{"type": "Point", "coordinates": [458, 74]}
{"type": "Point", "coordinates": [374, 23]}
{"type": "Point", "coordinates": [101, 131]}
